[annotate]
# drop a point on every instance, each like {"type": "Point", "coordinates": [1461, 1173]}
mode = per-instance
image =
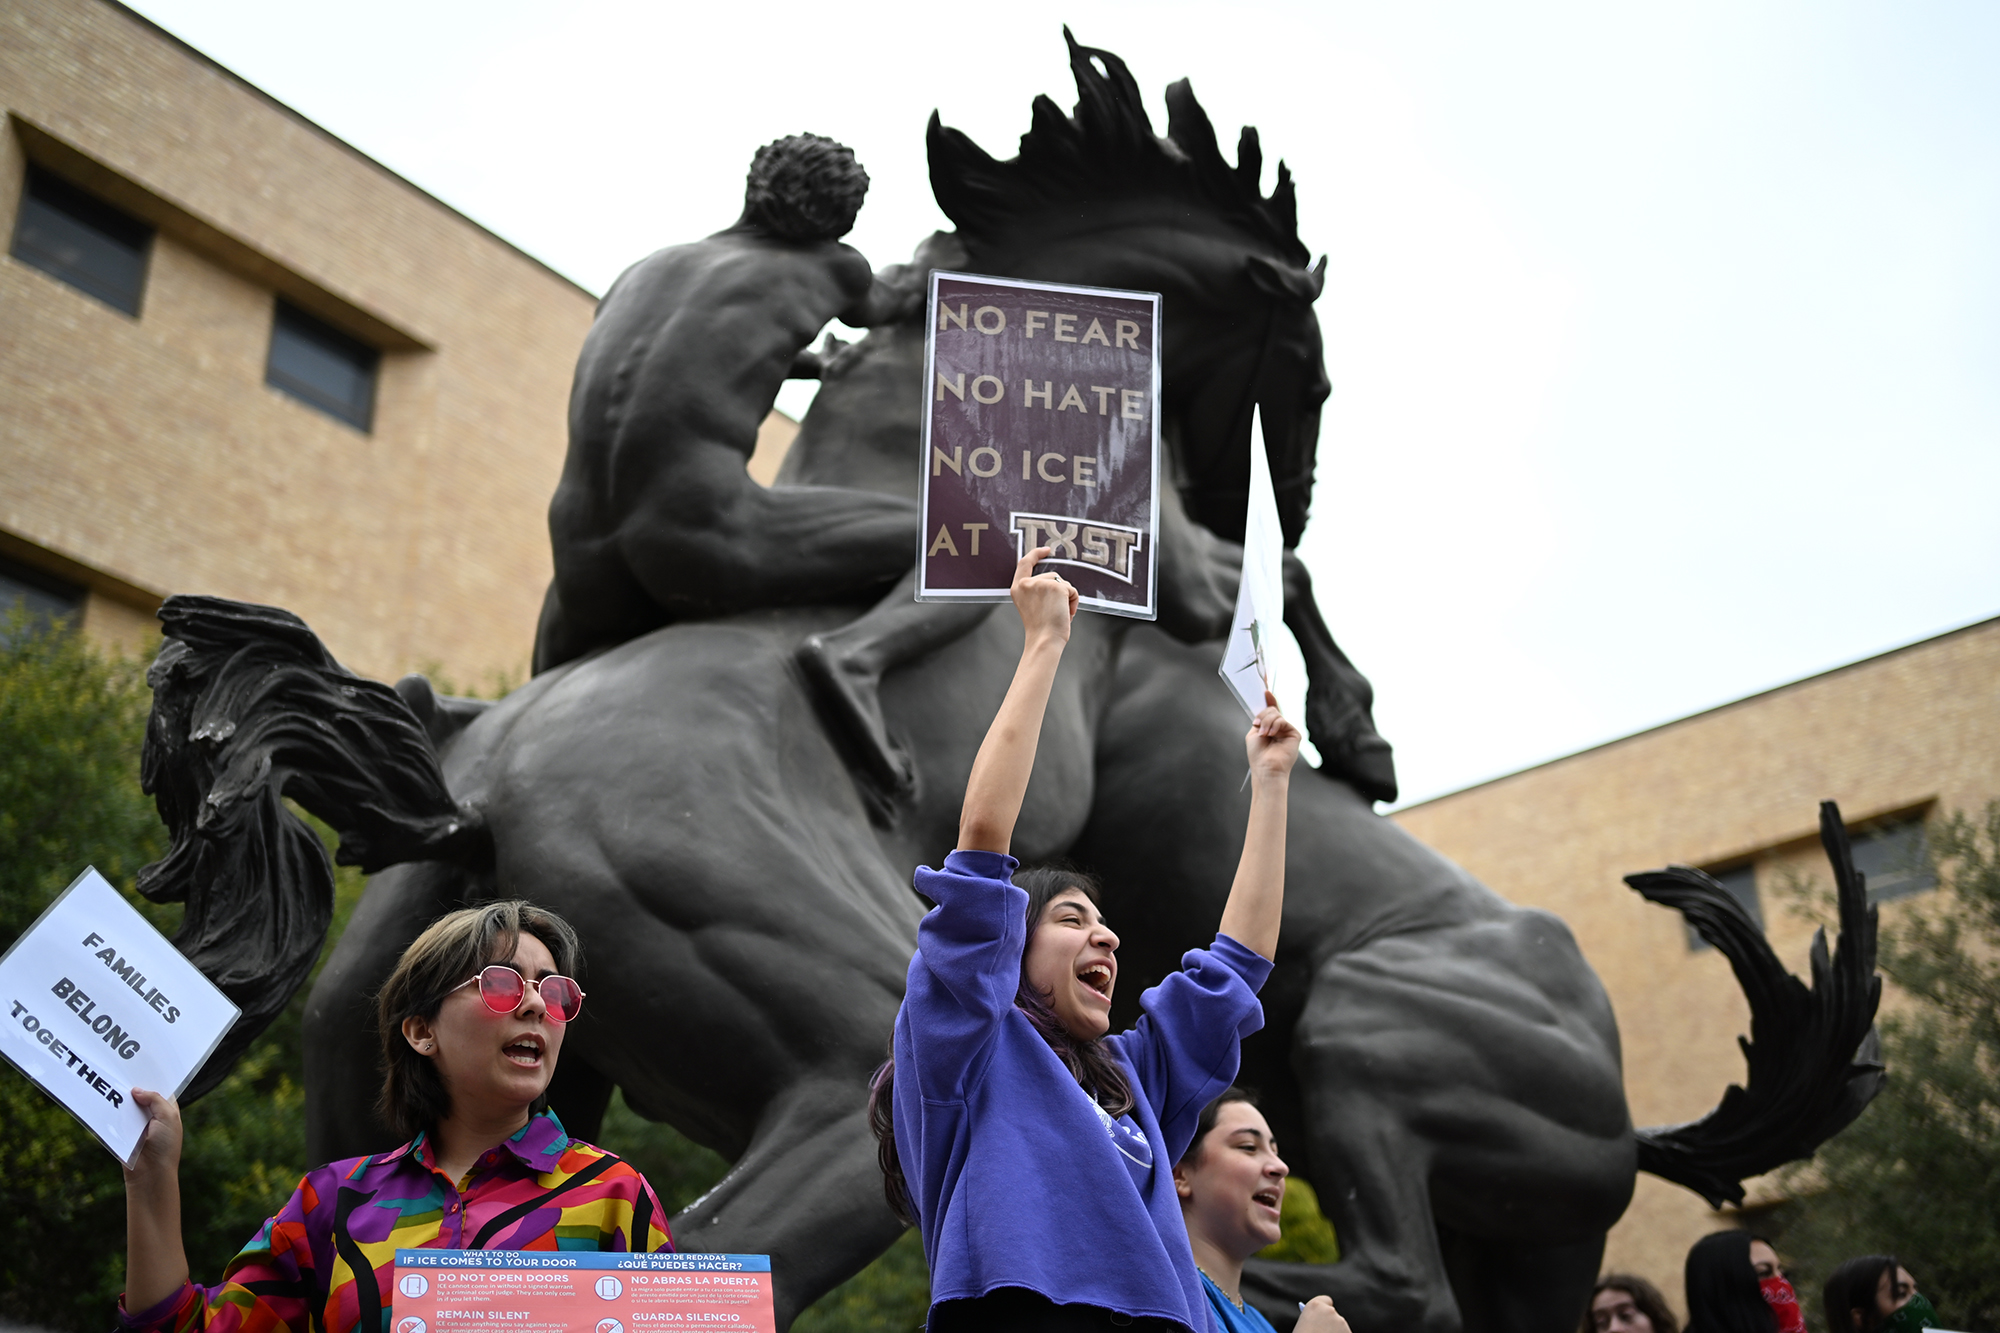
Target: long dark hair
{"type": "Point", "coordinates": [1093, 1066]}
{"type": "Point", "coordinates": [1851, 1288]}
{"type": "Point", "coordinates": [1722, 1291]}
{"type": "Point", "coordinates": [1647, 1297]}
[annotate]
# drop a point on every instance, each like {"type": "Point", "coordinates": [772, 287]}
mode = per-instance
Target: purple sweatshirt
{"type": "Point", "coordinates": [1018, 1179]}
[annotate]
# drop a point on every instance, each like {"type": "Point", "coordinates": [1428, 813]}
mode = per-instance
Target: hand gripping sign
{"type": "Point", "coordinates": [1042, 429]}
{"type": "Point", "coordinates": [580, 1291]}
{"type": "Point", "coordinates": [95, 1002]}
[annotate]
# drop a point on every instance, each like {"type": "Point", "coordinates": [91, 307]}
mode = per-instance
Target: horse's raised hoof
{"type": "Point", "coordinates": [1350, 749]}
{"type": "Point", "coordinates": [848, 697]}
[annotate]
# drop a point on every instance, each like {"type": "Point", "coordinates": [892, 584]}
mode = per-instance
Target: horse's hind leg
{"type": "Point", "coordinates": [1371, 1175]}
{"type": "Point", "coordinates": [1505, 1288]}
{"type": "Point", "coordinates": [342, 1051]}
{"type": "Point", "coordinates": [808, 1191]}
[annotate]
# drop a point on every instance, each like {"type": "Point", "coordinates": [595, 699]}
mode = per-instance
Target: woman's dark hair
{"type": "Point", "coordinates": [1089, 1061]}
{"type": "Point", "coordinates": [1851, 1289]}
{"type": "Point", "coordinates": [1644, 1295]}
{"type": "Point", "coordinates": [1722, 1291]}
{"type": "Point", "coordinates": [454, 947]}
{"type": "Point", "coordinates": [1209, 1115]}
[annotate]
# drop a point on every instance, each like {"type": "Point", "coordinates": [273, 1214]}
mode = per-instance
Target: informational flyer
{"type": "Point", "coordinates": [1260, 597]}
{"type": "Point", "coordinates": [97, 1002]}
{"type": "Point", "coordinates": [1042, 429]}
{"type": "Point", "coordinates": [580, 1291]}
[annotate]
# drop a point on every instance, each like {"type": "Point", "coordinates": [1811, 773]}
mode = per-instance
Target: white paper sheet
{"type": "Point", "coordinates": [1260, 597]}
{"type": "Point", "coordinates": [95, 1002]}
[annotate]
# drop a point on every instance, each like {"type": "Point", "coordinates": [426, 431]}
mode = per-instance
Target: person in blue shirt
{"type": "Point", "coordinates": [1033, 1150]}
{"type": "Point", "coordinates": [1231, 1183]}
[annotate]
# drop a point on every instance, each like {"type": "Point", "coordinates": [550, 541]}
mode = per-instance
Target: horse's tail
{"type": "Point", "coordinates": [249, 709]}
{"type": "Point", "coordinates": [1813, 1055]}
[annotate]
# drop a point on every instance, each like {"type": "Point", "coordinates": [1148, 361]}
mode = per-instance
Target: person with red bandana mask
{"type": "Point", "coordinates": [1735, 1285]}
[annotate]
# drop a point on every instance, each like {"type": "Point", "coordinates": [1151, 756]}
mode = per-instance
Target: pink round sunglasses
{"type": "Point", "coordinates": [503, 988]}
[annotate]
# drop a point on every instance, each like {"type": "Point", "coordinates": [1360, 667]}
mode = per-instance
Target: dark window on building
{"type": "Point", "coordinates": [1741, 881]}
{"type": "Point", "coordinates": [318, 364]}
{"type": "Point", "coordinates": [40, 597]}
{"type": "Point", "coordinates": [1894, 857]}
{"type": "Point", "coordinates": [74, 235]}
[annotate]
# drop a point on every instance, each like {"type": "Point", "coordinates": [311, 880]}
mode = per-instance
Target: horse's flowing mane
{"type": "Point", "coordinates": [1107, 152]}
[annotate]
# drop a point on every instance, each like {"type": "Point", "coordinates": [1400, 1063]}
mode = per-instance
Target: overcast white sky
{"type": "Point", "coordinates": [1663, 338]}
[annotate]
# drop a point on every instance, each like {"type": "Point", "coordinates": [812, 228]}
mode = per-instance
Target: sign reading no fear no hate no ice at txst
{"type": "Point", "coordinates": [1042, 429]}
{"type": "Point", "coordinates": [580, 1291]}
{"type": "Point", "coordinates": [95, 1002]}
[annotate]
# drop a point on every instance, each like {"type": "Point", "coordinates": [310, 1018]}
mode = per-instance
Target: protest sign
{"type": "Point", "coordinates": [580, 1291]}
{"type": "Point", "coordinates": [97, 1002]}
{"type": "Point", "coordinates": [1042, 429]}
{"type": "Point", "coordinates": [1260, 597]}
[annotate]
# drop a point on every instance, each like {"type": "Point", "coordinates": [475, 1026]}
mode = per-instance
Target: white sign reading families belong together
{"type": "Point", "coordinates": [95, 1002]}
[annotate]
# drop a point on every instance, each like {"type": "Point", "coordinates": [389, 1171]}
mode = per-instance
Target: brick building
{"type": "Point", "coordinates": [239, 357]}
{"type": "Point", "coordinates": [1734, 790]}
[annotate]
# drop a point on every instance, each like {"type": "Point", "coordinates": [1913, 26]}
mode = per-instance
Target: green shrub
{"type": "Point", "coordinates": [72, 722]}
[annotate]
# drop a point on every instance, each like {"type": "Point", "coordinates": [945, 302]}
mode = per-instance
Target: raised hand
{"type": "Point", "coordinates": [1272, 743]}
{"type": "Point", "coordinates": [1256, 905]}
{"type": "Point", "coordinates": [1047, 602]}
{"type": "Point", "coordinates": [160, 1148]}
{"type": "Point", "coordinates": [1006, 757]}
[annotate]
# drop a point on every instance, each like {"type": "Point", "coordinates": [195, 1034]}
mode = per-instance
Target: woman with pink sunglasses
{"type": "Point", "coordinates": [472, 1023]}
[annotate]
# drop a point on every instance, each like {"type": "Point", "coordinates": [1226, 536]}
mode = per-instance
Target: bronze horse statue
{"type": "Point", "coordinates": [1444, 1065]}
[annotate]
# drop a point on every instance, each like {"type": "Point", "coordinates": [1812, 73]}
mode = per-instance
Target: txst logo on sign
{"type": "Point", "coordinates": [1105, 547]}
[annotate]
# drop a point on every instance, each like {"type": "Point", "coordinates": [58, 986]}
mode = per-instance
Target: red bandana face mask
{"type": "Point", "coordinates": [1784, 1303]}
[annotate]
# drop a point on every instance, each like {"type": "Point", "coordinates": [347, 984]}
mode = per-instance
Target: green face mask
{"type": "Point", "coordinates": [1915, 1316]}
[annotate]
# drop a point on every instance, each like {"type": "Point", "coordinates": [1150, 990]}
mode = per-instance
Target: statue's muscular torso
{"type": "Point", "coordinates": [655, 518]}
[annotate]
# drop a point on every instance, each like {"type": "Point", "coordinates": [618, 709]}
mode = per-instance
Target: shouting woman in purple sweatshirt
{"type": "Point", "coordinates": [1036, 1152]}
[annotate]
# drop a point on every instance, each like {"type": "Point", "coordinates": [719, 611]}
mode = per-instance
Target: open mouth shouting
{"type": "Point", "coordinates": [525, 1050]}
{"type": "Point", "coordinates": [1271, 1198]}
{"type": "Point", "coordinates": [1098, 977]}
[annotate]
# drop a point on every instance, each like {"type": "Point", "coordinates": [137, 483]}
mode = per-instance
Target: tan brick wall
{"type": "Point", "coordinates": [147, 456]}
{"type": "Point", "coordinates": [151, 449]}
{"type": "Point", "coordinates": [1888, 734]}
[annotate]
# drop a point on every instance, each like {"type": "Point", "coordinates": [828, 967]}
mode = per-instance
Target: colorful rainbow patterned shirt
{"type": "Point", "coordinates": [540, 1190]}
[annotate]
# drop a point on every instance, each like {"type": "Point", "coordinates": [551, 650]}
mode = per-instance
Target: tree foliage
{"type": "Point", "coordinates": [1918, 1175]}
{"type": "Point", "coordinates": [72, 720]}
